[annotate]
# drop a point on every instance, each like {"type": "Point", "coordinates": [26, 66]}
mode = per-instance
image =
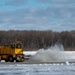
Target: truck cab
{"type": "Point", "coordinates": [12, 52]}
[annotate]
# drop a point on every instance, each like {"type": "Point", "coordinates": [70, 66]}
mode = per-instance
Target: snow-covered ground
{"type": "Point", "coordinates": [52, 54]}
{"type": "Point", "coordinates": [38, 69]}
{"type": "Point", "coordinates": [29, 52]}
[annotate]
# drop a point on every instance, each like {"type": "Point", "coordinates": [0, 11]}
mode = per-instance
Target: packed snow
{"type": "Point", "coordinates": [38, 69]}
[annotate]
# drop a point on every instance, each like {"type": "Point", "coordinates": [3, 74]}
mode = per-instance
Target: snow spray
{"type": "Point", "coordinates": [55, 53]}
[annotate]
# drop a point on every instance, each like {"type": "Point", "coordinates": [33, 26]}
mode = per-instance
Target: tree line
{"type": "Point", "coordinates": [34, 40]}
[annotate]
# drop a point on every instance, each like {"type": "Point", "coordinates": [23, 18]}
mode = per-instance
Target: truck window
{"type": "Point", "coordinates": [18, 46]}
{"type": "Point", "coordinates": [12, 46]}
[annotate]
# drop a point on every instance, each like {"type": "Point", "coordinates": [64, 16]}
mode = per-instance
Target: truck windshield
{"type": "Point", "coordinates": [18, 46]}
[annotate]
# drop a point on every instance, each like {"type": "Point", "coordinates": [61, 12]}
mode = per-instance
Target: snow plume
{"type": "Point", "coordinates": [53, 54]}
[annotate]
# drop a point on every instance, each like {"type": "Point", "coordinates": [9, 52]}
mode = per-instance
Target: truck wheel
{"type": "Point", "coordinates": [0, 58]}
{"type": "Point", "coordinates": [11, 59]}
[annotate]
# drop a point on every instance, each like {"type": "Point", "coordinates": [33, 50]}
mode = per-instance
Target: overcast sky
{"type": "Point", "coordinates": [56, 15]}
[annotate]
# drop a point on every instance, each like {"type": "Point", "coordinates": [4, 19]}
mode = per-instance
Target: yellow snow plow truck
{"type": "Point", "coordinates": [12, 52]}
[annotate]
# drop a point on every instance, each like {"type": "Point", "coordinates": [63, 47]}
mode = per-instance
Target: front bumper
{"type": "Point", "coordinates": [20, 58]}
